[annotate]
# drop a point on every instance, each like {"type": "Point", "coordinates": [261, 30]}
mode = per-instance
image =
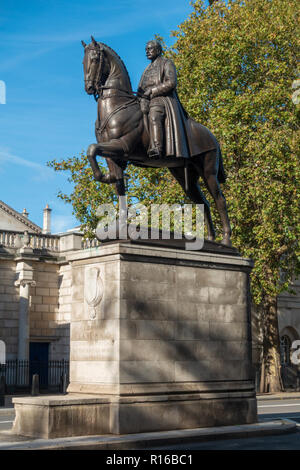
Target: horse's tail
{"type": "Point", "coordinates": [221, 172]}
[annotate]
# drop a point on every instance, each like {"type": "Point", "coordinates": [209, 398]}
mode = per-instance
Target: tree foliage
{"type": "Point", "coordinates": [237, 61]}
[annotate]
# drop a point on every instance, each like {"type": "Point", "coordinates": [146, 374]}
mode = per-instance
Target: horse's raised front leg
{"type": "Point", "coordinates": [98, 175]}
{"type": "Point", "coordinates": [112, 148]}
{"type": "Point", "coordinates": [105, 149]}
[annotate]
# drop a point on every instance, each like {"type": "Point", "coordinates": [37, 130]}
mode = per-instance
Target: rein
{"type": "Point", "coordinates": [115, 111]}
{"type": "Point", "coordinates": [99, 93]}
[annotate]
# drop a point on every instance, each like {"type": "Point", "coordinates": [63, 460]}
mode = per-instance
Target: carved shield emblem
{"type": "Point", "coordinates": [93, 289]}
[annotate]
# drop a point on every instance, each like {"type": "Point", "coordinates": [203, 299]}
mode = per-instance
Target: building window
{"type": "Point", "coordinates": [285, 350]}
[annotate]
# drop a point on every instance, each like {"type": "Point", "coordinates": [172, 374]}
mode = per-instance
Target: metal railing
{"type": "Point", "coordinates": [18, 374]}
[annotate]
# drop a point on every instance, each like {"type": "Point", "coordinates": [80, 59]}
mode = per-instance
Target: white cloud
{"type": "Point", "coordinates": [62, 223]}
{"type": "Point", "coordinates": [41, 172]}
{"type": "Point", "coordinates": [16, 60]}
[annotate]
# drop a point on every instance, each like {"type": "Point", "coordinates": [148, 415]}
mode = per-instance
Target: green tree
{"type": "Point", "coordinates": [236, 63]}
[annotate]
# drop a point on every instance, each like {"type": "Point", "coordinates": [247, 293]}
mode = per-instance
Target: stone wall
{"type": "Point", "coordinates": [9, 307]}
{"type": "Point", "coordinates": [49, 306]}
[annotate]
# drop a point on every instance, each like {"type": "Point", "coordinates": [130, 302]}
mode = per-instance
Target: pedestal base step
{"type": "Point", "coordinates": [86, 415]}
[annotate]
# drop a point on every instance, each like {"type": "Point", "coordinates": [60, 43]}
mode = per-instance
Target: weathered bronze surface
{"type": "Point", "coordinates": [151, 129]}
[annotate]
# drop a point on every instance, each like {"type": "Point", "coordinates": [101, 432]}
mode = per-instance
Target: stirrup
{"type": "Point", "coordinates": [154, 153]}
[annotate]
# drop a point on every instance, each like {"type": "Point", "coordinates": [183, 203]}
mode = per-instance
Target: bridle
{"type": "Point", "coordinates": [100, 88]}
{"type": "Point", "coordinates": [96, 80]}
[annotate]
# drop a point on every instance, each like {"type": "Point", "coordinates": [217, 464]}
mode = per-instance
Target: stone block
{"type": "Point", "coordinates": [8, 281]}
{"type": "Point", "coordinates": [112, 289]}
{"type": "Point", "coordinates": [77, 276]}
{"type": "Point", "coordinates": [41, 308]}
{"type": "Point", "coordinates": [112, 271]}
{"type": "Point", "coordinates": [36, 299]}
{"type": "Point", "coordinates": [147, 291]}
{"type": "Point", "coordinates": [211, 278]}
{"type": "Point", "coordinates": [222, 313]}
{"type": "Point", "coordinates": [9, 298]}
{"type": "Point", "coordinates": [193, 371]}
{"type": "Point", "coordinates": [54, 292]}
{"type": "Point", "coordinates": [95, 371]}
{"type": "Point", "coordinates": [222, 350]}
{"type": "Point", "coordinates": [109, 308]}
{"type": "Point", "coordinates": [10, 290]}
{"type": "Point", "coordinates": [229, 331]}
{"type": "Point", "coordinates": [146, 371]}
{"type": "Point", "coordinates": [53, 308]}
{"type": "Point", "coordinates": [236, 279]}
{"type": "Point", "coordinates": [128, 329]}
{"type": "Point", "coordinates": [41, 324]}
{"type": "Point", "coordinates": [154, 329]}
{"type": "Point", "coordinates": [50, 300]}
{"type": "Point", "coordinates": [77, 293]}
{"type": "Point", "coordinates": [187, 311]}
{"type": "Point", "coordinates": [185, 276]}
{"type": "Point", "coordinates": [142, 350]}
{"type": "Point", "coordinates": [105, 350]}
{"type": "Point", "coordinates": [191, 330]}
{"type": "Point", "coordinates": [42, 291]}
{"type": "Point", "coordinates": [92, 330]}
{"type": "Point", "coordinates": [152, 309]}
{"type": "Point", "coordinates": [138, 272]}
{"type": "Point", "coordinates": [10, 323]}
{"type": "Point", "coordinates": [232, 296]}
{"type": "Point", "coordinates": [64, 308]}
{"type": "Point", "coordinates": [11, 306]}
{"type": "Point", "coordinates": [194, 295]}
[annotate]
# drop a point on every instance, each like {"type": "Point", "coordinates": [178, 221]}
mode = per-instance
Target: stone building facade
{"type": "Point", "coordinates": [36, 293]}
{"type": "Point", "coordinates": [35, 286]}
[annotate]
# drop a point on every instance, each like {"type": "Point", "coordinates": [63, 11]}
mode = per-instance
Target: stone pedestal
{"type": "Point", "coordinates": [160, 340]}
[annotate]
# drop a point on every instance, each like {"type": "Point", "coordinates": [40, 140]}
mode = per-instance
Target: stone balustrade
{"type": "Point", "coordinates": [86, 243]}
{"type": "Point", "coordinates": [52, 243]}
{"type": "Point", "coordinates": [15, 240]}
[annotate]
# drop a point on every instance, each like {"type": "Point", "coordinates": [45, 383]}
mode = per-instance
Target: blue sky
{"type": "Point", "coordinates": [47, 112]}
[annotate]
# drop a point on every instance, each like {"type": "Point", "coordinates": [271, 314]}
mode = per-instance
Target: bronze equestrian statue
{"type": "Point", "coordinates": [151, 129]}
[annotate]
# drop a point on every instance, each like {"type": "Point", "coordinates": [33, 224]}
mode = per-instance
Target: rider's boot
{"type": "Point", "coordinates": [156, 140]}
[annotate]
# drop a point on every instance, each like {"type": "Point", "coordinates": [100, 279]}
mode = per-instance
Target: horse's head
{"type": "Point", "coordinates": [103, 66]}
{"type": "Point", "coordinates": [93, 66]}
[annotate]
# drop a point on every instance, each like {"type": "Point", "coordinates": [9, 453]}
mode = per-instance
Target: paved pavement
{"type": "Point", "coordinates": [271, 409]}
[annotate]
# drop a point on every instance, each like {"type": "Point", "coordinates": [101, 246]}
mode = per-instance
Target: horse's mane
{"type": "Point", "coordinates": [119, 58]}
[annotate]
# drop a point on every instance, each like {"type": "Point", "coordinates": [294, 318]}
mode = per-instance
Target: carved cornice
{"type": "Point", "coordinates": [16, 215]}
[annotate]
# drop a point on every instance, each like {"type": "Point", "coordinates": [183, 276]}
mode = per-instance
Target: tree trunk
{"type": "Point", "coordinates": [270, 369]}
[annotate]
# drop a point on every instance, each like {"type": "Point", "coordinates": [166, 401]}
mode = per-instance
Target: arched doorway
{"type": "Point", "coordinates": [290, 373]}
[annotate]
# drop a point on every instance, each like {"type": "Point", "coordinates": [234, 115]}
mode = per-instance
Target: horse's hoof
{"type": "Point", "coordinates": [226, 241]}
{"type": "Point", "coordinates": [108, 179]}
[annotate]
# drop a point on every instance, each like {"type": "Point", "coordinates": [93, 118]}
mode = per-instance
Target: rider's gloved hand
{"type": "Point", "coordinates": [144, 106]}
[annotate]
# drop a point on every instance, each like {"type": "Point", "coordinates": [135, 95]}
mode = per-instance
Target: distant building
{"type": "Point", "coordinates": [35, 286]}
{"type": "Point", "coordinates": [13, 221]}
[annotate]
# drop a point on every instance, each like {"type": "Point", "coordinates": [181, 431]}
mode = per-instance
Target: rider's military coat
{"type": "Point", "coordinates": [180, 130]}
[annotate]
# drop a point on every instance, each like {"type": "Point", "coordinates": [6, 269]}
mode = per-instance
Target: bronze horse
{"type": "Point", "coordinates": [123, 138]}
